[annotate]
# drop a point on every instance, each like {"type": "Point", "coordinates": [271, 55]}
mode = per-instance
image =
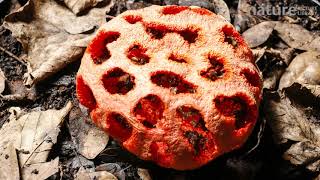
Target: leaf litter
{"type": "Point", "coordinates": [52, 36]}
{"type": "Point", "coordinates": [286, 53]}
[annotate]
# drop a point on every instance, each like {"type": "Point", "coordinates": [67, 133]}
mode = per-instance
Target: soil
{"type": "Point", "coordinates": [264, 162]}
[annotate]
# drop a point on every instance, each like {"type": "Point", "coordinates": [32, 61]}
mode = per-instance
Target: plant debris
{"type": "Point", "coordinates": [54, 33]}
{"type": "Point", "coordinates": [59, 37]}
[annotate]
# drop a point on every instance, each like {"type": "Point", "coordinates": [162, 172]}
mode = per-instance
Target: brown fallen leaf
{"type": "Point", "coordinates": [144, 174]}
{"type": "Point", "coordinates": [304, 69]}
{"type": "Point", "coordinates": [82, 174]}
{"type": "Point", "coordinates": [258, 34]}
{"type": "Point", "coordinates": [9, 168]}
{"type": "Point", "coordinates": [32, 134]}
{"type": "Point", "coordinates": [244, 18]}
{"type": "Point", "coordinates": [114, 169]}
{"type": "Point", "coordinates": [314, 45]}
{"type": "Point", "coordinates": [304, 152]}
{"type": "Point", "coordinates": [39, 133]}
{"type": "Point", "coordinates": [2, 82]}
{"type": "Point", "coordinates": [292, 122]}
{"type": "Point", "coordinates": [221, 8]}
{"type": "Point", "coordinates": [51, 35]}
{"type": "Point", "coordinates": [40, 170]}
{"type": "Point", "coordinates": [294, 35]}
{"type": "Point", "coordinates": [88, 137]}
{"type": "Point", "coordinates": [78, 6]}
{"type": "Point", "coordinates": [258, 53]}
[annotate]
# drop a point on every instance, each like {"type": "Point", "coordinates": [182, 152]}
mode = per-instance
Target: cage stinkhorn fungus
{"type": "Point", "coordinates": [174, 85]}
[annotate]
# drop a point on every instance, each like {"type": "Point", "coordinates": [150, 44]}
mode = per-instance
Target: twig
{"type": "Point", "coordinates": [261, 130]}
{"type": "Point", "coordinates": [12, 55]}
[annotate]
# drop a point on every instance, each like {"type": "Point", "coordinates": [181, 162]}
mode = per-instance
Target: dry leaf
{"type": "Point", "coordinates": [51, 35]}
{"type": "Point", "coordinates": [9, 168]}
{"type": "Point", "coordinates": [221, 8]}
{"type": "Point", "coordinates": [90, 139]}
{"type": "Point", "coordinates": [293, 116]}
{"type": "Point", "coordinates": [244, 18]}
{"type": "Point", "coordinates": [314, 45]}
{"type": "Point", "coordinates": [32, 134]}
{"type": "Point", "coordinates": [77, 6]}
{"type": "Point", "coordinates": [100, 175]}
{"type": "Point", "coordinates": [303, 152]}
{"type": "Point", "coordinates": [144, 174]}
{"type": "Point", "coordinates": [289, 122]}
{"type": "Point", "coordinates": [258, 34]}
{"type": "Point", "coordinates": [258, 53]}
{"type": "Point", "coordinates": [114, 169]}
{"type": "Point", "coordinates": [39, 133]}
{"type": "Point", "coordinates": [2, 82]}
{"type": "Point", "coordinates": [294, 35]}
{"type": "Point", "coordinates": [41, 170]}
{"type": "Point", "coordinates": [304, 69]}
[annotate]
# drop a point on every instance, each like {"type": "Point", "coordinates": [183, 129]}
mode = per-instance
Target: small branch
{"type": "Point", "coordinates": [12, 55]}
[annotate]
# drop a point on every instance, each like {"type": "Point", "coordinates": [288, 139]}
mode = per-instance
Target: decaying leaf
{"type": "Point", "coordinates": [39, 132]}
{"type": "Point", "coordinates": [314, 45]}
{"type": "Point", "coordinates": [9, 168]}
{"type": "Point", "coordinates": [258, 34]}
{"type": "Point", "coordinates": [304, 152]}
{"type": "Point", "coordinates": [294, 35]}
{"type": "Point", "coordinates": [114, 169]}
{"type": "Point", "coordinates": [244, 18]}
{"type": "Point", "coordinates": [78, 6]}
{"type": "Point", "coordinates": [304, 69]}
{"type": "Point", "coordinates": [221, 8]}
{"type": "Point", "coordinates": [100, 175]}
{"type": "Point", "coordinates": [293, 116]}
{"type": "Point", "coordinates": [90, 139]}
{"type": "Point", "coordinates": [2, 81]}
{"type": "Point", "coordinates": [40, 170]}
{"type": "Point", "coordinates": [144, 174]}
{"type": "Point", "coordinates": [258, 53]}
{"type": "Point", "coordinates": [33, 134]}
{"type": "Point", "coordinates": [19, 92]}
{"type": "Point", "coordinates": [51, 35]}
{"type": "Point", "coordinates": [290, 122]}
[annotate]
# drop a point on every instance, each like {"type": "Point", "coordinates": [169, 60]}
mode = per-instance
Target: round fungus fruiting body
{"type": "Point", "coordinates": [174, 85]}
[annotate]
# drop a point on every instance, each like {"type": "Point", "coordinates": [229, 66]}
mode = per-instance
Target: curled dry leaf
{"type": "Point", "coordinates": [144, 174]}
{"type": "Point", "coordinates": [304, 69]}
{"type": "Point", "coordinates": [258, 53]}
{"type": "Point", "coordinates": [294, 116]}
{"type": "Point", "coordinates": [40, 170]}
{"type": "Point", "coordinates": [258, 34]}
{"type": "Point", "coordinates": [273, 64]}
{"type": "Point", "coordinates": [294, 35]}
{"type": "Point", "coordinates": [82, 174]}
{"type": "Point", "coordinates": [114, 169]}
{"type": "Point", "coordinates": [221, 8]}
{"type": "Point", "coordinates": [51, 35]}
{"type": "Point", "coordinates": [244, 18]}
{"type": "Point", "coordinates": [90, 139]}
{"type": "Point", "coordinates": [9, 168]}
{"type": "Point", "coordinates": [290, 122]}
{"type": "Point", "coordinates": [78, 6]}
{"type": "Point", "coordinates": [302, 152]}
{"type": "Point", "coordinates": [2, 81]}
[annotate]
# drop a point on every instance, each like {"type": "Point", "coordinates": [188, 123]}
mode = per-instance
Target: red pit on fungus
{"type": "Point", "coordinates": [167, 91]}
